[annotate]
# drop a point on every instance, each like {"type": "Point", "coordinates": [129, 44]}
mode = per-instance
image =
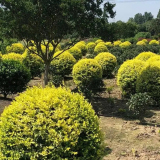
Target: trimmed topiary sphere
{"type": "Point", "coordinates": [125, 44]}
{"type": "Point", "coordinates": [82, 47]}
{"type": "Point", "coordinates": [149, 80]}
{"type": "Point", "coordinates": [15, 47]}
{"type": "Point", "coordinates": [144, 56]}
{"type": "Point", "coordinates": [117, 43]}
{"type": "Point", "coordinates": [98, 41]}
{"type": "Point", "coordinates": [76, 52]}
{"type": "Point", "coordinates": [141, 43]}
{"type": "Point", "coordinates": [50, 124]}
{"type": "Point", "coordinates": [154, 42]}
{"type": "Point", "coordinates": [14, 77]}
{"type": "Point", "coordinates": [109, 44]}
{"type": "Point", "coordinates": [100, 48]}
{"type": "Point", "coordinates": [62, 64]}
{"type": "Point", "coordinates": [87, 75]}
{"type": "Point", "coordinates": [13, 56]}
{"type": "Point", "coordinates": [127, 76]}
{"type": "Point", "coordinates": [90, 47]}
{"type": "Point", "coordinates": [107, 61]}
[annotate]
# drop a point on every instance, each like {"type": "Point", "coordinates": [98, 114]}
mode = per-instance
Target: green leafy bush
{"type": "Point", "coordinates": [0, 56]}
{"type": "Point", "coordinates": [100, 48]}
{"type": "Point", "coordinates": [139, 103]}
{"type": "Point", "coordinates": [142, 35]}
{"type": "Point", "coordinates": [14, 77]}
{"type": "Point", "coordinates": [5, 43]}
{"type": "Point", "coordinates": [107, 61]}
{"type": "Point", "coordinates": [62, 64]}
{"type": "Point", "coordinates": [34, 63]}
{"type": "Point", "coordinates": [76, 52]}
{"type": "Point", "coordinates": [87, 75]}
{"type": "Point", "coordinates": [127, 76]}
{"type": "Point", "coordinates": [50, 124]}
{"type": "Point", "coordinates": [149, 80]}
{"type": "Point", "coordinates": [15, 47]}
{"type": "Point", "coordinates": [144, 56]}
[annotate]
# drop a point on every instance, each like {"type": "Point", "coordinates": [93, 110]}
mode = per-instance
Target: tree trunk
{"type": "Point", "coordinates": [46, 73]}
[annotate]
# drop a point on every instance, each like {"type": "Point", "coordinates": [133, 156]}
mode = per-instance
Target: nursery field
{"type": "Point", "coordinates": [125, 138]}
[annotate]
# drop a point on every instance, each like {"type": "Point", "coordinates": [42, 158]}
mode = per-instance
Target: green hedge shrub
{"type": "Point", "coordinates": [1, 56]}
{"type": "Point", "coordinates": [138, 104]}
{"type": "Point", "coordinates": [149, 80]}
{"type": "Point", "coordinates": [34, 63]}
{"type": "Point", "coordinates": [142, 35]}
{"type": "Point", "coordinates": [107, 61]}
{"type": "Point", "coordinates": [62, 64]}
{"type": "Point", "coordinates": [50, 124]}
{"type": "Point", "coordinates": [100, 48]}
{"type": "Point", "coordinates": [76, 52]}
{"type": "Point", "coordinates": [127, 76]}
{"type": "Point", "coordinates": [15, 47]}
{"type": "Point", "coordinates": [144, 56]}
{"type": "Point", "coordinates": [14, 77]}
{"type": "Point", "coordinates": [87, 75]}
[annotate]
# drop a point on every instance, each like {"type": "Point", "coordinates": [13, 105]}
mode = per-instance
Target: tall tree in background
{"type": "Point", "coordinates": [53, 20]}
{"type": "Point", "coordinates": [158, 15]}
{"type": "Point", "coordinates": [138, 18]}
{"type": "Point", "coordinates": [147, 16]}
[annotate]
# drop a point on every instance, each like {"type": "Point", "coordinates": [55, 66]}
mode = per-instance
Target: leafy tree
{"type": "Point", "coordinates": [53, 21]}
{"type": "Point", "coordinates": [138, 18]}
{"type": "Point", "coordinates": [147, 16]}
{"type": "Point", "coordinates": [158, 15]}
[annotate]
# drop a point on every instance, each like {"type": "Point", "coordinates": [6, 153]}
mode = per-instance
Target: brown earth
{"type": "Point", "coordinates": [125, 138]}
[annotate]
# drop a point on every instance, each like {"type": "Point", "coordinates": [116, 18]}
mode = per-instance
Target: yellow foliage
{"type": "Point", "coordinates": [107, 61]}
{"type": "Point", "coordinates": [63, 121]}
{"type": "Point", "coordinates": [141, 43]}
{"type": "Point", "coordinates": [109, 44]}
{"type": "Point", "coordinates": [117, 43]}
{"type": "Point", "coordinates": [144, 56]}
{"type": "Point", "coordinates": [15, 47]}
{"type": "Point", "coordinates": [154, 42]}
{"type": "Point", "coordinates": [98, 41]}
{"type": "Point", "coordinates": [125, 44]}
{"type": "Point", "coordinates": [127, 75]}
{"type": "Point", "coordinates": [14, 56]}
{"type": "Point", "coordinates": [149, 80]}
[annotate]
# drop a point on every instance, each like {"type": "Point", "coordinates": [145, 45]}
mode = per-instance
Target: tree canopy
{"type": "Point", "coordinates": [53, 20]}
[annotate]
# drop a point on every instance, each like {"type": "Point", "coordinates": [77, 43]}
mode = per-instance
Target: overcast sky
{"type": "Point", "coordinates": [125, 10]}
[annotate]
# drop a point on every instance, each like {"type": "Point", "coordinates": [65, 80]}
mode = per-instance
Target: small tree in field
{"type": "Point", "coordinates": [53, 20]}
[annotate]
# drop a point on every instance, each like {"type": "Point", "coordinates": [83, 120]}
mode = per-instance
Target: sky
{"type": "Point", "coordinates": [128, 8]}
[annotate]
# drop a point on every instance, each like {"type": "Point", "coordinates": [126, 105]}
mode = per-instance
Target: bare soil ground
{"type": "Point", "coordinates": [125, 138]}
